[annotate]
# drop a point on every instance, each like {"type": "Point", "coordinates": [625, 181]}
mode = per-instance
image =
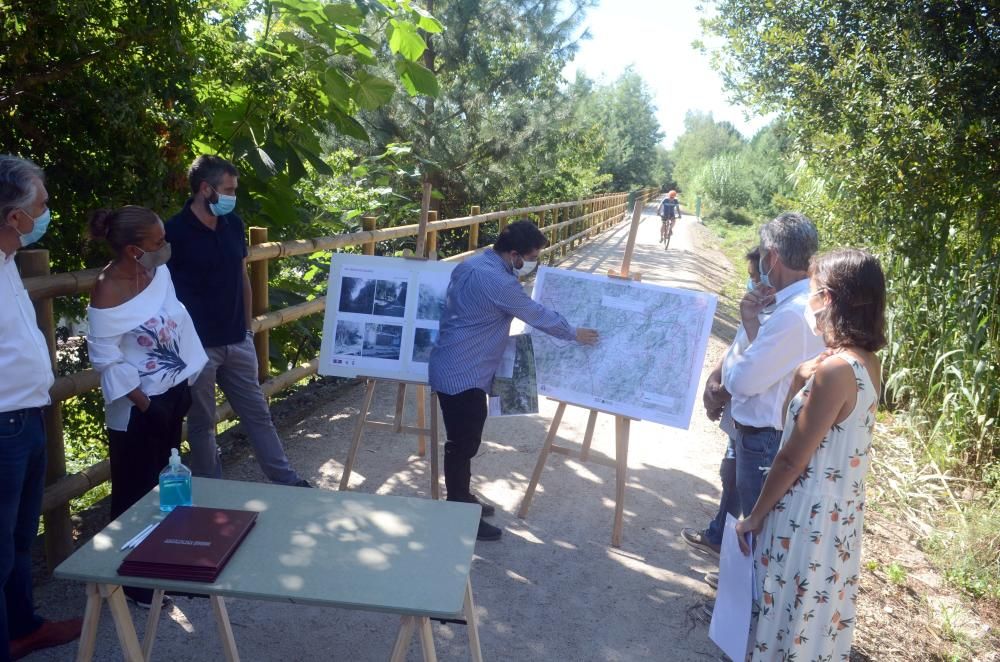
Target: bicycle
{"type": "Point", "coordinates": [666, 231]}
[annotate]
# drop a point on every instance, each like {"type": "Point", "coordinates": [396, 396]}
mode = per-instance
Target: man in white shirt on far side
{"type": "Point", "coordinates": [24, 391]}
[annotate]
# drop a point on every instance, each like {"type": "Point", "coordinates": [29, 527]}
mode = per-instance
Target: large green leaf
{"type": "Point", "coordinates": [336, 85]}
{"type": "Point", "coordinates": [417, 79]}
{"type": "Point", "coordinates": [296, 169]}
{"type": "Point", "coordinates": [372, 91]}
{"type": "Point", "coordinates": [405, 40]}
{"type": "Point", "coordinates": [346, 124]}
{"type": "Point", "coordinates": [319, 164]}
{"type": "Point", "coordinates": [344, 14]}
{"type": "Point", "coordinates": [426, 22]}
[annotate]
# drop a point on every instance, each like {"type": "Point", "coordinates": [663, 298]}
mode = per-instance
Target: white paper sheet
{"type": "Point", "coordinates": [730, 626]}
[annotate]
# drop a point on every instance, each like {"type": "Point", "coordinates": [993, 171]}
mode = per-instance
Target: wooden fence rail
{"type": "Point", "coordinates": [572, 223]}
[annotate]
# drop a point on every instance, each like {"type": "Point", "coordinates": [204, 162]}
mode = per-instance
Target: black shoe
{"type": "Point", "coordinates": [303, 483]}
{"type": "Point", "coordinates": [488, 509]}
{"type": "Point", "coordinates": [698, 540]}
{"type": "Point", "coordinates": [488, 532]}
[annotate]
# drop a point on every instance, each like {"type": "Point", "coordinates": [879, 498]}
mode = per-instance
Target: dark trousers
{"type": "Point", "coordinates": [464, 417]}
{"type": "Point", "coordinates": [141, 452]}
{"type": "Point", "coordinates": [729, 502]}
{"type": "Point", "coordinates": [22, 479]}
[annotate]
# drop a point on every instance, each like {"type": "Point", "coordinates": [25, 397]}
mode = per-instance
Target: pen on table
{"type": "Point", "coordinates": [145, 535]}
{"type": "Point", "coordinates": [138, 537]}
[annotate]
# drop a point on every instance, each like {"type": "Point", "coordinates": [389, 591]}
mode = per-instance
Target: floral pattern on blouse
{"type": "Point", "coordinates": [158, 338]}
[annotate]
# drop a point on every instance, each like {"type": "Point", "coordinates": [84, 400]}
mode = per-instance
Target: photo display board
{"type": "Point", "coordinates": [382, 316]}
{"type": "Point", "coordinates": [647, 363]}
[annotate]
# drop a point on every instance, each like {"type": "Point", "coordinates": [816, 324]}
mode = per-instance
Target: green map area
{"type": "Point", "coordinates": [647, 364]}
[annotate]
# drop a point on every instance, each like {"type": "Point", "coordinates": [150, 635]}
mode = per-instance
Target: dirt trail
{"type": "Point", "coordinates": [553, 589]}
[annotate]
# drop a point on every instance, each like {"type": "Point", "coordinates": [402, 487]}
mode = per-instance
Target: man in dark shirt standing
{"type": "Point", "coordinates": [208, 267]}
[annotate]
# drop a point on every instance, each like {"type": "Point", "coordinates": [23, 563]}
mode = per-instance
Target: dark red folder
{"type": "Point", "coordinates": [190, 544]}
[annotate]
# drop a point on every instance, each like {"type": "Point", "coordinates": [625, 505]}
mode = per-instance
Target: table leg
{"type": "Point", "coordinates": [225, 629]}
{"type": "Point", "coordinates": [359, 430]}
{"type": "Point", "coordinates": [435, 444]}
{"type": "Point", "coordinates": [124, 626]}
{"type": "Point", "coordinates": [91, 616]}
{"type": "Point", "coordinates": [427, 639]}
{"type": "Point", "coordinates": [472, 624]}
{"type": "Point", "coordinates": [402, 645]}
{"type": "Point", "coordinates": [542, 455]}
{"type": "Point", "coordinates": [151, 622]}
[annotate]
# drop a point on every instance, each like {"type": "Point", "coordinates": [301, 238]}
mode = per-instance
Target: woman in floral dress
{"type": "Point", "coordinates": [808, 520]}
{"type": "Point", "coordinates": [144, 345]}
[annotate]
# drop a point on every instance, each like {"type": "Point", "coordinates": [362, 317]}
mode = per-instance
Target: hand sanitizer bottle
{"type": "Point", "coordinates": [175, 484]}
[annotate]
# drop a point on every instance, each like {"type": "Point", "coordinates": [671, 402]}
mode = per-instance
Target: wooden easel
{"type": "Point", "coordinates": [619, 464]}
{"type": "Point", "coordinates": [397, 425]}
{"type": "Point", "coordinates": [622, 423]}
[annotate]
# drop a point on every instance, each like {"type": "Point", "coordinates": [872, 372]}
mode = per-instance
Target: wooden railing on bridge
{"type": "Point", "coordinates": [566, 224]}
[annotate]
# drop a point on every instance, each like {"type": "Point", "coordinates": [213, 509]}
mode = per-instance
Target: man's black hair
{"type": "Point", "coordinates": [522, 236]}
{"type": "Point", "coordinates": [209, 168]}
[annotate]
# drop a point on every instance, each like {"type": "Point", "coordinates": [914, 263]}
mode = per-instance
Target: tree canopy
{"type": "Point", "coordinates": [892, 107]}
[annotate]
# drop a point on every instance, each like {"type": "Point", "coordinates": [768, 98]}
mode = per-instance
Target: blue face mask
{"type": "Point", "coordinates": [764, 275]}
{"type": "Point", "coordinates": [750, 285]}
{"type": "Point", "coordinates": [41, 225]}
{"type": "Point", "coordinates": [226, 204]}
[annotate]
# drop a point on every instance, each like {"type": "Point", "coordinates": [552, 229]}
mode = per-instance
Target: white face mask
{"type": "Point", "coordinates": [811, 316]}
{"type": "Point", "coordinates": [811, 320]}
{"type": "Point", "coordinates": [526, 268]}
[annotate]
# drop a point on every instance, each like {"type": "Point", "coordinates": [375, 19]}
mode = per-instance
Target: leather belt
{"type": "Point", "coordinates": [750, 428]}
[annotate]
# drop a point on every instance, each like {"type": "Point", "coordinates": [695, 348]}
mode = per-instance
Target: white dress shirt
{"type": "Point", "coordinates": [759, 375]}
{"type": "Point", "coordinates": [25, 367]}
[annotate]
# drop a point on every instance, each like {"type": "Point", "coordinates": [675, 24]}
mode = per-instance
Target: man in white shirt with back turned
{"type": "Point", "coordinates": [24, 390]}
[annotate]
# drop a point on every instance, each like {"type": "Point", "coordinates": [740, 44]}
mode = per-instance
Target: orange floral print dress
{"type": "Point", "coordinates": [808, 557]}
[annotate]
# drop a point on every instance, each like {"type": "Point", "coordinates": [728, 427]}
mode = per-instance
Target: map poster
{"type": "Point", "coordinates": [647, 363]}
{"type": "Point", "coordinates": [515, 390]}
{"type": "Point", "coordinates": [382, 316]}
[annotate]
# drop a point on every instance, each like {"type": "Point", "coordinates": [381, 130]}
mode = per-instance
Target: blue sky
{"type": "Point", "coordinates": [655, 37]}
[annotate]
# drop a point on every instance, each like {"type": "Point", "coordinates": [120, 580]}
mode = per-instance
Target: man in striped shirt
{"type": "Point", "coordinates": [484, 296]}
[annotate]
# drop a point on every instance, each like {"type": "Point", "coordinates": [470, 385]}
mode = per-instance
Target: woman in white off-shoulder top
{"type": "Point", "coordinates": [144, 345]}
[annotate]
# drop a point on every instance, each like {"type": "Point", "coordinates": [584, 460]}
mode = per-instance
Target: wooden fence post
{"type": "Point", "coordinates": [432, 235]}
{"type": "Point", "coordinates": [58, 527]}
{"type": "Point", "coordinates": [259, 305]}
{"type": "Point", "coordinates": [474, 229]}
{"type": "Point", "coordinates": [368, 225]}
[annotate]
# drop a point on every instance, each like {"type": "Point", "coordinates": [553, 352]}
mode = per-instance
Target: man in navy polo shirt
{"type": "Point", "coordinates": [208, 267]}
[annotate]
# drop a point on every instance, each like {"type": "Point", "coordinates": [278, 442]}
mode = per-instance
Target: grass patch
{"type": "Point", "coordinates": [735, 239]}
{"type": "Point", "coordinates": [966, 546]}
{"type": "Point", "coordinates": [896, 574]}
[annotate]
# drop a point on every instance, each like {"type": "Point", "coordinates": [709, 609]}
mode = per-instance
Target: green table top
{"type": "Point", "coordinates": [311, 546]}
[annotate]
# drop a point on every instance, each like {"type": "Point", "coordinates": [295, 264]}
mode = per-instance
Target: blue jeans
{"type": "Point", "coordinates": [755, 451]}
{"type": "Point", "coordinates": [729, 502]}
{"type": "Point", "coordinates": [22, 479]}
